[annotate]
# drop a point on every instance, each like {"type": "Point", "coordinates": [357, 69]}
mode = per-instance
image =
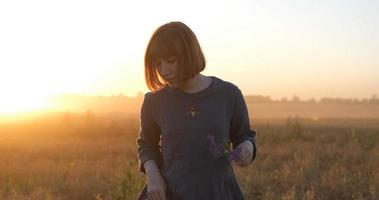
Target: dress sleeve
{"type": "Point", "coordinates": [148, 135]}
{"type": "Point", "coordinates": [240, 126]}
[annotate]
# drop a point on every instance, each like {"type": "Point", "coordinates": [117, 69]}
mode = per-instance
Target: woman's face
{"type": "Point", "coordinates": [167, 70]}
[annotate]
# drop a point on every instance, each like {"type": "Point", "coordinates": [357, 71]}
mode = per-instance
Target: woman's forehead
{"type": "Point", "coordinates": [163, 54]}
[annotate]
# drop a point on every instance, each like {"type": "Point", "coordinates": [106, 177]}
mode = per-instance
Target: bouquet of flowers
{"type": "Point", "coordinates": [218, 150]}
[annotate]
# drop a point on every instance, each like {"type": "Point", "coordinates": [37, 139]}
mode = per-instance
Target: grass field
{"type": "Point", "coordinates": [89, 156]}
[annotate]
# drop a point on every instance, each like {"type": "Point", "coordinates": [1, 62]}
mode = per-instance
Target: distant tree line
{"type": "Point", "coordinates": [267, 99]}
{"type": "Point", "coordinates": [120, 99]}
{"type": "Point", "coordinates": [325, 100]}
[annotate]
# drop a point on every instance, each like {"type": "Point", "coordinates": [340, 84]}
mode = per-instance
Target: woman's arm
{"type": "Point", "coordinates": [149, 153]}
{"type": "Point", "coordinates": [148, 137]}
{"type": "Point", "coordinates": [240, 126]}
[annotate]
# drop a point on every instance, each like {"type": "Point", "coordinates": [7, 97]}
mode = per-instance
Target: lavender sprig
{"type": "Point", "coordinates": [214, 148]}
{"type": "Point", "coordinates": [219, 150]}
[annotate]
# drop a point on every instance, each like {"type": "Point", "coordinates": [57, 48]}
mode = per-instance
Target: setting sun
{"type": "Point", "coordinates": [20, 103]}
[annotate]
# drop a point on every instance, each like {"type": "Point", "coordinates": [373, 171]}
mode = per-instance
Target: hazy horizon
{"type": "Point", "coordinates": [289, 97]}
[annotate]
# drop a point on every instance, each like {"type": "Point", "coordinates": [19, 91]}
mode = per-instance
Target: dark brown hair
{"type": "Point", "coordinates": [173, 39]}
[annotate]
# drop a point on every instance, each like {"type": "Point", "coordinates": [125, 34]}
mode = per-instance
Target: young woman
{"type": "Point", "coordinates": [188, 121]}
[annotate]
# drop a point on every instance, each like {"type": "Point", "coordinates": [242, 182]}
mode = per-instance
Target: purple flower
{"type": "Point", "coordinates": [235, 154]}
{"type": "Point", "coordinates": [214, 148]}
{"type": "Point", "coordinates": [219, 150]}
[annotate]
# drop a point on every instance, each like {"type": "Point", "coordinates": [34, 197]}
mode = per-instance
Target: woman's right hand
{"type": "Point", "coordinates": [156, 186]}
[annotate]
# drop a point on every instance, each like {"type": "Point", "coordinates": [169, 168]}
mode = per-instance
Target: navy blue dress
{"type": "Point", "coordinates": [174, 132]}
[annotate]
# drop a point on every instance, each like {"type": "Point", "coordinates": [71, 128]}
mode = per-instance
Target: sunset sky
{"type": "Point", "coordinates": [277, 48]}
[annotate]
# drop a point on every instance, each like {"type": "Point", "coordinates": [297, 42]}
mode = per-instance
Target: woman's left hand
{"type": "Point", "coordinates": [246, 154]}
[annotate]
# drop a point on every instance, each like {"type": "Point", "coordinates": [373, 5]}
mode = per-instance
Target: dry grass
{"type": "Point", "coordinates": [317, 161]}
{"type": "Point", "coordinates": [94, 157]}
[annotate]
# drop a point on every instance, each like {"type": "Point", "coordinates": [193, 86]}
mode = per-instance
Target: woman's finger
{"type": "Point", "coordinates": [162, 195]}
{"type": "Point", "coordinates": [248, 158]}
{"type": "Point", "coordinates": [244, 155]}
{"type": "Point", "coordinates": [153, 196]}
{"type": "Point", "coordinates": [246, 161]}
{"type": "Point", "coordinates": [158, 196]}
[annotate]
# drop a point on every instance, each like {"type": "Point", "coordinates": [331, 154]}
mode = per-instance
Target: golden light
{"type": "Point", "coordinates": [22, 103]}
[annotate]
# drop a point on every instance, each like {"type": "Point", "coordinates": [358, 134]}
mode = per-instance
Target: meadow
{"type": "Point", "coordinates": [93, 156]}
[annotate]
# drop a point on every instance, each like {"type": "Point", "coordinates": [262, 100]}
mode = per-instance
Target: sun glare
{"type": "Point", "coordinates": [11, 105]}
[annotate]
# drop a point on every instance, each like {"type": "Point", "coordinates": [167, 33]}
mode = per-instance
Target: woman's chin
{"type": "Point", "coordinates": [173, 85]}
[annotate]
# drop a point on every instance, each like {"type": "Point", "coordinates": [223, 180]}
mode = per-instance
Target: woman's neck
{"type": "Point", "coordinates": [197, 83]}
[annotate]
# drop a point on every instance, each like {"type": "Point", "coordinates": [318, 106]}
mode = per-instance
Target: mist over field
{"type": "Point", "coordinates": [305, 151]}
{"type": "Point", "coordinates": [259, 106]}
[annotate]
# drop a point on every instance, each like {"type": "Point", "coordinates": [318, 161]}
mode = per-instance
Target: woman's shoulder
{"type": "Point", "coordinates": [227, 86]}
{"type": "Point", "coordinates": [155, 94]}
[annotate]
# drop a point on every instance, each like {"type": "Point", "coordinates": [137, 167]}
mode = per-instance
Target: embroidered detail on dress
{"type": "Point", "coordinates": [193, 111]}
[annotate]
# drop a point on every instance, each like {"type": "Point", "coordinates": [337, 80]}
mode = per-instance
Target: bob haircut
{"type": "Point", "coordinates": [174, 39]}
